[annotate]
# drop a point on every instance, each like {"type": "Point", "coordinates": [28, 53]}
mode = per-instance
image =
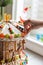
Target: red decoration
{"type": "Point", "coordinates": [2, 35]}
{"type": "Point", "coordinates": [11, 36]}
{"type": "Point", "coordinates": [1, 26]}
{"type": "Point", "coordinates": [25, 9]}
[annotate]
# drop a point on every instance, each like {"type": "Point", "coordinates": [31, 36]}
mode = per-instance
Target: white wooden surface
{"type": "Point", "coordinates": [34, 44]}
{"type": "Point", "coordinates": [34, 59]}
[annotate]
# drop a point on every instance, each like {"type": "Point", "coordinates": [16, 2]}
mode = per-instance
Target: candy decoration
{"type": "Point", "coordinates": [11, 31]}
{"type": "Point", "coordinates": [26, 9]}
{"type": "Point", "coordinates": [23, 34]}
{"type": "Point", "coordinates": [7, 36]}
{"type": "Point", "coordinates": [37, 36]}
{"type": "Point", "coordinates": [1, 35]}
{"type": "Point", "coordinates": [7, 17]}
{"type": "Point", "coordinates": [21, 63]}
{"type": "Point", "coordinates": [17, 35]}
{"type": "Point", "coordinates": [16, 57]}
{"type": "Point", "coordinates": [11, 36]}
{"type": "Point", "coordinates": [24, 63]}
{"type": "Point", "coordinates": [26, 60]}
{"type": "Point", "coordinates": [1, 26]}
{"type": "Point", "coordinates": [41, 39]}
{"type": "Point", "coordinates": [20, 28]}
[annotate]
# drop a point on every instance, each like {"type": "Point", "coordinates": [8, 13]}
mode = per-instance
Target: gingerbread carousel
{"type": "Point", "coordinates": [12, 44]}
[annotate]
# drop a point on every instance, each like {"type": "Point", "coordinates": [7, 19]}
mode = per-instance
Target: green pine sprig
{"type": "Point", "coordinates": [4, 3]}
